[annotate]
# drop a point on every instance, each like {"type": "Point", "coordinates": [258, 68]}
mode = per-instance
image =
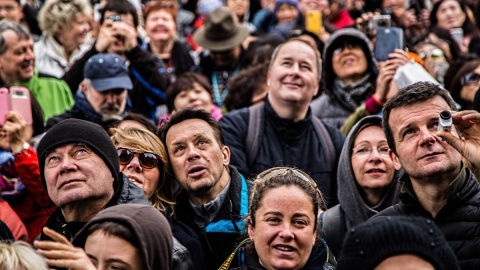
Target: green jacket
{"type": "Point", "coordinates": [53, 95]}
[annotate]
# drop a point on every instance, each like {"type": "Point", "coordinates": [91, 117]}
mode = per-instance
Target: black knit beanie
{"type": "Point", "coordinates": [368, 244]}
{"type": "Point", "coordinates": [79, 131]}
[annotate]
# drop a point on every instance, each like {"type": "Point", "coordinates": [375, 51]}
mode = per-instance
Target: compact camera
{"type": "Point", "coordinates": [445, 121]}
{"type": "Point", "coordinates": [380, 20]}
{"type": "Point", "coordinates": [115, 18]}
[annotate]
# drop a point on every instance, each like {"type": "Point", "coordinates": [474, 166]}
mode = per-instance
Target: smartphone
{"type": "Point", "coordinates": [20, 102]}
{"type": "Point", "coordinates": [4, 104]}
{"type": "Point", "coordinates": [313, 21]}
{"type": "Point", "coordinates": [387, 40]}
{"type": "Point", "coordinates": [457, 34]}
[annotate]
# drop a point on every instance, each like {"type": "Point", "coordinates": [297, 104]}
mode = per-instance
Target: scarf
{"type": "Point", "coordinates": [353, 95]}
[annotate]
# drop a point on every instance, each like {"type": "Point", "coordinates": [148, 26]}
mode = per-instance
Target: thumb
{"type": "Point", "coordinates": [452, 140]}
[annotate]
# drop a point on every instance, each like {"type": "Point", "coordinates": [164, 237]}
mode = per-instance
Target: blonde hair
{"type": "Point", "coordinates": [144, 140]}
{"type": "Point", "coordinates": [20, 255]}
{"type": "Point", "coordinates": [62, 13]}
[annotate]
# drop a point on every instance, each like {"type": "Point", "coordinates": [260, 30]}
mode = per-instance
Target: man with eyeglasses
{"type": "Point", "coordinates": [214, 200]}
{"type": "Point", "coordinates": [79, 168]}
{"type": "Point", "coordinates": [437, 183]}
{"type": "Point", "coordinates": [103, 97]}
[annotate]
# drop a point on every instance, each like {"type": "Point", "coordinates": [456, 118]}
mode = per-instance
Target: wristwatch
{"type": "Point", "coordinates": [25, 146]}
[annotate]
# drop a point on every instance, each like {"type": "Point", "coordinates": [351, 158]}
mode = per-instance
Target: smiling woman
{"type": "Point", "coordinates": [282, 222]}
{"type": "Point", "coordinates": [349, 76]}
{"type": "Point", "coordinates": [368, 179]}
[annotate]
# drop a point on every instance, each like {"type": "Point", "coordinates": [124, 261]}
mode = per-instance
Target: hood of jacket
{"type": "Point", "coordinates": [339, 36]}
{"type": "Point", "coordinates": [148, 226]}
{"type": "Point", "coordinates": [349, 195]}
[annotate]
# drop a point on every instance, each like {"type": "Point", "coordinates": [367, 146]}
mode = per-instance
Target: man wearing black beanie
{"type": "Point", "coordinates": [79, 167]}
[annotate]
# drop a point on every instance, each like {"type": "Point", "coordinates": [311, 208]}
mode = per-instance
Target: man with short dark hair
{"type": "Point", "coordinates": [288, 134]}
{"type": "Point", "coordinates": [437, 184]}
{"type": "Point", "coordinates": [214, 200]}
{"type": "Point", "coordinates": [103, 96]}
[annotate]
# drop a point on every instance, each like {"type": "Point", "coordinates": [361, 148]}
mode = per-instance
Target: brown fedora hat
{"type": "Point", "coordinates": [221, 31]}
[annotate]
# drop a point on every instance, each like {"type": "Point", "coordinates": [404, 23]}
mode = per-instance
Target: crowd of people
{"type": "Point", "coordinates": [239, 134]}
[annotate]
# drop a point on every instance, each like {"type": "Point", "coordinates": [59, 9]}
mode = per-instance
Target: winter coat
{"type": "Point", "coordinates": [284, 143]}
{"type": "Point", "coordinates": [459, 219]}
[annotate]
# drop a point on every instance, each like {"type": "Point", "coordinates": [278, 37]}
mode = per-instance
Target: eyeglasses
{"type": "Point", "coordinates": [434, 54]}
{"type": "Point", "coordinates": [367, 151]}
{"type": "Point", "coordinates": [470, 78]}
{"type": "Point", "coordinates": [147, 160]}
{"type": "Point", "coordinates": [346, 45]}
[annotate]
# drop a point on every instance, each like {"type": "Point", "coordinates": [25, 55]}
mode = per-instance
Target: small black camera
{"type": "Point", "coordinates": [115, 18]}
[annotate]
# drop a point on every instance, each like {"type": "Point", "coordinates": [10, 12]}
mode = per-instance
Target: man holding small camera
{"type": "Point", "coordinates": [118, 35]}
{"type": "Point", "coordinates": [437, 184]}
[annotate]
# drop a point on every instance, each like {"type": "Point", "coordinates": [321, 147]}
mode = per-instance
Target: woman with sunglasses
{"type": "Point", "coordinates": [349, 75]}
{"type": "Point", "coordinates": [434, 59]}
{"type": "Point", "coordinates": [368, 181]}
{"type": "Point", "coordinates": [465, 85]}
{"type": "Point", "coordinates": [144, 160]}
{"type": "Point", "coordinates": [282, 223]}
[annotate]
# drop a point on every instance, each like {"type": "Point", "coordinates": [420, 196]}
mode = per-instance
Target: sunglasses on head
{"type": "Point", "coordinates": [470, 78]}
{"type": "Point", "coordinates": [147, 160]}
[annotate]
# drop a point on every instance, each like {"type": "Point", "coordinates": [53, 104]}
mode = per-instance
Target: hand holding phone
{"type": "Point", "coordinates": [17, 98]}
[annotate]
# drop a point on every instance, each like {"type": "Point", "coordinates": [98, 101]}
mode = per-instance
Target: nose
{"type": "Point", "coordinates": [427, 138]}
{"type": "Point", "coordinates": [134, 164]}
{"type": "Point", "coordinates": [192, 95]}
{"type": "Point", "coordinates": [67, 165]}
{"type": "Point", "coordinates": [286, 232]}
{"type": "Point", "coordinates": [110, 97]}
{"type": "Point", "coordinates": [374, 156]}
{"type": "Point", "coordinates": [192, 153]}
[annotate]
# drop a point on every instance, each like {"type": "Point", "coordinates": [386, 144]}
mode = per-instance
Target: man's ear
{"type": "Point", "coordinates": [226, 155]}
{"type": "Point", "coordinates": [84, 87]}
{"type": "Point", "coordinates": [396, 162]}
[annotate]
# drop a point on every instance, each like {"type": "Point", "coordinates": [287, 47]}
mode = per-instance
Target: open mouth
{"type": "Point", "coordinates": [196, 171]}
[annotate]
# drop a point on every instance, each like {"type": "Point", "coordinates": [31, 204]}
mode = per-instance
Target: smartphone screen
{"type": "Point", "coordinates": [313, 21]}
{"type": "Point", "coordinates": [4, 104]}
{"type": "Point", "coordinates": [20, 102]}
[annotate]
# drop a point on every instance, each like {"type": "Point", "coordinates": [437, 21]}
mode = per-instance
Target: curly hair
{"type": "Point", "coordinates": [56, 14]}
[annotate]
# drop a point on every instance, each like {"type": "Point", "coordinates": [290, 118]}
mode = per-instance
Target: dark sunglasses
{"type": "Point", "coordinates": [147, 160]}
{"type": "Point", "coordinates": [470, 78]}
{"type": "Point", "coordinates": [340, 47]}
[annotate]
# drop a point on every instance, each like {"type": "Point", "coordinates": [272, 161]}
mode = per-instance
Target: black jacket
{"type": "Point", "coordinates": [125, 192]}
{"type": "Point", "coordinates": [459, 219]}
{"type": "Point", "coordinates": [284, 143]}
{"type": "Point", "coordinates": [220, 237]}
{"type": "Point", "coordinates": [149, 84]}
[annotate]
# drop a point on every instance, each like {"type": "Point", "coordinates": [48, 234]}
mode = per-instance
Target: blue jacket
{"type": "Point", "coordinates": [220, 237]}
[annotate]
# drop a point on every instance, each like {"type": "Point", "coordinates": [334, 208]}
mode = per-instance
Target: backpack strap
{"type": "Point", "coordinates": [256, 121]}
{"type": "Point", "coordinates": [325, 140]}
{"type": "Point", "coordinates": [332, 223]}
